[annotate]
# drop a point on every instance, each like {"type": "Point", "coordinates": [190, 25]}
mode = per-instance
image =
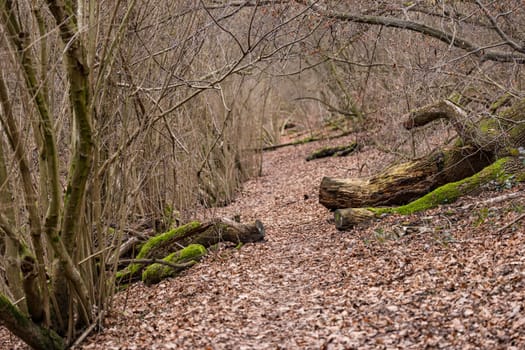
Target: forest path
{"type": "Point", "coordinates": [311, 287]}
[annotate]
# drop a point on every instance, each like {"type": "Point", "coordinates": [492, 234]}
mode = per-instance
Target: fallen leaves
{"type": "Point", "coordinates": [441, 279]}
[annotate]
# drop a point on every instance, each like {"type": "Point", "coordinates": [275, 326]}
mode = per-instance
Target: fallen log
{"type": "Point", "coordinates": [402, 183]}
{"type": "Point", "coordinates": [335, 151]}
{"type": "Point", "coordinates": [304, 141]}
{"type": "Point", "coordinates": [494, 143]}
{"type": "Point", "coordinates": [204, 234]}
{"type": "Point", "coordinates": [177, 262]}
{"type": "Point", "coordinates": [480, 143]}
{"type": "Point", "coordinates": [501, 172]}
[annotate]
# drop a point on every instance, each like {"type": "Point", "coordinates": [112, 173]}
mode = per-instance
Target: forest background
{"type": "Point", "coordinates": [124, 115]}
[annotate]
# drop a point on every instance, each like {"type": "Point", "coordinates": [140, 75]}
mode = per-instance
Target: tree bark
{"type": "Point", "coordinates": [205, 234]}
{"type": "Point", "coordinates": [402, 183]}
{"type": "Point", "coordinates": [32, 334]}
{"type": "Point", "coordinates": [503, 172]}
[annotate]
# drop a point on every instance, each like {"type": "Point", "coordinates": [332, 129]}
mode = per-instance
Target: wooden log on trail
{"type": "Point", "coordinates": [402, 183]}
{"type": "Point", "coordinates": [335, 151]}
{"type": "Point", "coordinates": [494, 143]}
{"type": "Point", "coordinates": [204, 234]}
{"type": "Point", "coordinates": [503, 172]}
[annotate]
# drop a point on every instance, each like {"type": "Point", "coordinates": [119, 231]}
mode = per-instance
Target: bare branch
{"type": "Point", "coordinates": [498, 29]}
{"type": "Point", "coordinates": [448, 38]}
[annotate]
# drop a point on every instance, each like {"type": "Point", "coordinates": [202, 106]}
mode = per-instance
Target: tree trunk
{"type": "Point", "coordinates": [32, 334]}
{"type": "Point", "coordinates": [503, 172]}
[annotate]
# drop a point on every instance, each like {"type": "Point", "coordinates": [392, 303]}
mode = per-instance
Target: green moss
{"type": "Point", "coordinates": [155, 242]}
{"type": "Point", "coordinates": [306, 140]}
{"type": "Point", "coordinates": [489, 127]}
{"type": "Point", "coordinates": [156, 272]}
{"type": "Point", "coordinates": [8, 308]}
{"type": "Point", "coordinates": [190, 252]}
{"type": "Point", "coordinates": [452, 191]}
{"type": "Point", "coordinates": [165, 237]}
{"type": "Point", "coordinates": [500, 102]}
{"type": "Point", "coordinates": [455, 98]}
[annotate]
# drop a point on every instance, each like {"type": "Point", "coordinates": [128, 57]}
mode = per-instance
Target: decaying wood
{"type": "Point", "coordinates": [402, 183]}
{"type": "Point", "coordinates": [305, 140]}
{"type": "Point", "coordinates": [193, 233]}
{"type": "Point", "coordinates": [336, 151]}
{"type": "Point", "coordinates": [496, 134]}
{"type": "Point", "coordinates": [349, 217]}
{"type": "Point", "coordinates": [173, 264]}
{"type": "Point", "coordinates": [481, 144]}
{"type": "Point", "coordinates": [206, 234]}
{"type": "Point", "coordinates": [502, 171]}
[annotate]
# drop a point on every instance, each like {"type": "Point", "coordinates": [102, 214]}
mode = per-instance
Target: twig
{"type": "Point", "coordinates": [511, 223]}
{"type": "Point", "coordinates": [494, 200]}
{"type": "Point", "coordinates": [88, 331]}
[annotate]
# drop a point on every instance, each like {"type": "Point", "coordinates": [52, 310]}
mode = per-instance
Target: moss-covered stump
{"type": "Point", "coordinates": [502, 171]}
{"type": "Point", "coordinates": [195, 232]}
{"type": "Point", "coordinates": [179, 261]}
{"type": "Point", "coordinates": [336, 151]}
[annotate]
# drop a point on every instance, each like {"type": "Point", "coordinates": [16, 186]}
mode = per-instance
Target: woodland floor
{"type": "Point", "coordinates": [453, 277]}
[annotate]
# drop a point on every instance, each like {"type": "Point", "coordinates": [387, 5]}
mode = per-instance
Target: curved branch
{"type": "Point", "coordinates": [422, 28]}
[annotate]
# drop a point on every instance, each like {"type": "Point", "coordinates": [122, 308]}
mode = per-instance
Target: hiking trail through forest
{"type": "Point", "coordinates": [444, 278]}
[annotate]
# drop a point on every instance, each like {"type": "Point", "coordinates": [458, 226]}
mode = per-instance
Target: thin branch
{"type": "Point", "coordinates": [448, 38]}
{"type": "Point", "coordinates": [498, 29]}
{"type": "Point", "coordinates": [521, 217]}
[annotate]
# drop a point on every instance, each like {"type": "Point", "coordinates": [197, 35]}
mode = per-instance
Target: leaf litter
{"type": "Point", "coordinates": [445, 278]}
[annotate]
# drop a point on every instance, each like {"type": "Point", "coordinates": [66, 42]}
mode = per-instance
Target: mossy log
{"type": "Point", "coordinates": [205, 234]}
{"type": "Point", "coordinates": [335, 151]}
{"type": "Point", "coordinates": [402, 183]}
{"type": "Point", "coordinates": [480, 142]}
{"type": "Point", "coordinates": [502, 171]}
{"type": "Point", "coordinates": [179, 261]}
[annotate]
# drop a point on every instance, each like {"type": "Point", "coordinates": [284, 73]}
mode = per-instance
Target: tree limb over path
{"type": "Point", "coordinates": [481, 51]}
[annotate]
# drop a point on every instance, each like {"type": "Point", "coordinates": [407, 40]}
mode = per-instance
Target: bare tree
{"type": "Point", "coordinates": [113, 115]}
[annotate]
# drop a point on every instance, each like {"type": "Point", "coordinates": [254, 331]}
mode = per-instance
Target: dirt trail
{"type": "Point", "coordinates": [453, 284]}
{"type": "Point", "coordinates": [288, 292]}
{"type": "Point", "coordinates": [449, 280]}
